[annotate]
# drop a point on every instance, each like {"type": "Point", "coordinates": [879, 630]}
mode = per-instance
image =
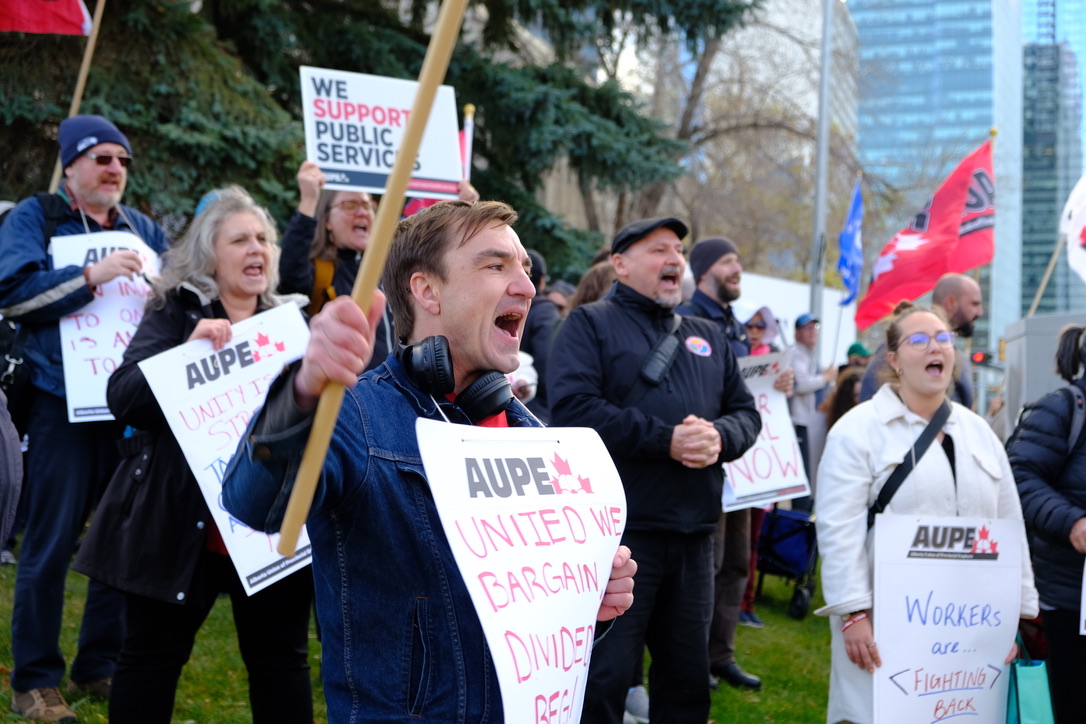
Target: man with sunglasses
{"type": "Point", "coordinates": [961, 300]}
{"type": "Point", "coordinates": [67, 464]}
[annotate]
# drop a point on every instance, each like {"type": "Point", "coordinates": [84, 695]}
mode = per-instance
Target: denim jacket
{"type": "Point", "coordinates": [402, 641]}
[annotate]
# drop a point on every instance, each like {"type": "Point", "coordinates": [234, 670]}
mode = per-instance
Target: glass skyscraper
{"type": "Point", "coordinates": [935, 76]}
{"type": "Point", "coordinates": [1055, 33]}
{"type": "Point", "coordinates": [1051, 164]}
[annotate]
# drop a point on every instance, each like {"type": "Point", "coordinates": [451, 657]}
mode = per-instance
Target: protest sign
{"type": "Point", "coordinates": [534, 517]}
{"type": "Point", "coordinates": [93, 340]}
{"type": "Point", "coordinates": [947, 600]}
{"type": "Point", "coordinates": [354, 124]}
{"type": "Point", "coordinates": [772, 469]}
{"type": "Point", "coordinates": [208, 397]}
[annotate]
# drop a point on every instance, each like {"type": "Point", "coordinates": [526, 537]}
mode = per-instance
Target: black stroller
{"type": "Point", "coordinates": [788, 547]}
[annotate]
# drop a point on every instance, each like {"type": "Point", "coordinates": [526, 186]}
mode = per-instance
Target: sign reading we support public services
{"type": "Point", "coordinates": [354, 125]}
{"type": "Point", "coordinates": [947, 601]}
{"type": "Point", "coordinates": [93, 340]}
{"type": "Point", "coordinates": [534, 517]}
{"type": "Point", "coordinates": [772, 469]}
{"type": "Point", "coordinates": [208, 397]}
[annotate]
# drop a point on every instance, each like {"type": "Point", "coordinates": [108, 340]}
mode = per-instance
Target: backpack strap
{"type": "Point", "coordinates": [55, 210]}
{"type": "Point", "coordinates": [656, 365]}
{"type": "Point", "coordinates": [323, 291]}
{"type": "Point", "coordinates": [1078, 417]}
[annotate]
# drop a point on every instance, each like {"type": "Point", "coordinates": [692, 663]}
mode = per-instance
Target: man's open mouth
{"type": "Point", "coordinates": [509, 323]}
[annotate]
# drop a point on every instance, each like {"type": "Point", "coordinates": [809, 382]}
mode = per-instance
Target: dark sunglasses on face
{"type": "Point", "coordinates": [755, 325]}
{"type": "Point", "coordinates": [104, 159]}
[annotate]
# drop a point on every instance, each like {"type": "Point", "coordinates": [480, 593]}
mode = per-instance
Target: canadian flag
{"type": "Point", "coordinates": [62, 17]}
{"type": "Point", "coordinates": [954, 232]}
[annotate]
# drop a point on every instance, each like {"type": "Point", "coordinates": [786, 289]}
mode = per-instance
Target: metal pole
{"type": "Point", "coordinates": [818, 243]}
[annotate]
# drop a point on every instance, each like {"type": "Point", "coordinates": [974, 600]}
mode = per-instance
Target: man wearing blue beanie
{"type": "Point", "coordinates": [67, 465]}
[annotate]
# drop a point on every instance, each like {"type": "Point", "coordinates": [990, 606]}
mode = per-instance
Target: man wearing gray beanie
{"type": "Point", "coordinates": [67, 465]}
{"type": "Point", "coordinates": [718, 272]}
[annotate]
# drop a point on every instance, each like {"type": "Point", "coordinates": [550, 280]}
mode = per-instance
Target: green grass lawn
{"type": "Point", "coordinates": [792, 657]}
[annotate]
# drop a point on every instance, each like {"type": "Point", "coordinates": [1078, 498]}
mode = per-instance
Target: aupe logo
{"type": "Point", "coordinates": [957, 542]}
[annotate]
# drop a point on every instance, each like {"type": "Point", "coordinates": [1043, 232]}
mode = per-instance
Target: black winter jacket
{"type": "Point", "coordinates": [151, 525]}
{"type": "Point", "coordinates": [1052, 485]}
{"type": "Point", "coordinates": [596, 359]}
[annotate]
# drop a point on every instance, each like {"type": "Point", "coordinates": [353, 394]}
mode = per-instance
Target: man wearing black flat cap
{"type": "Point", "coordinates": [665, 394]}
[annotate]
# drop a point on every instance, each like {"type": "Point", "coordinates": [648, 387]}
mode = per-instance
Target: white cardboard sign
{"type": "Point", "coordinates": [354, 125]}
{"type": "Point", "coordinates": [947, 602]}
{"type": "Point", "coordinates": [93, 340]}
{"type": "Point", "coordinates": [534, 517]}
{"type": "Point", "coordinates": [772, 469]}
{"type": "Point", "coordinates": [208, 398]}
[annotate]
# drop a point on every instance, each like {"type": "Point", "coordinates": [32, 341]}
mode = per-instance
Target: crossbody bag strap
{"type": "Point", "coordinates": [663, 348]}
{"type": "Point", "coordinates": [917, 451]}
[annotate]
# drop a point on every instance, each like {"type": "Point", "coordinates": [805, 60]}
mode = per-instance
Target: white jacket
{"type": "Point", "coordinates": [861, 452]}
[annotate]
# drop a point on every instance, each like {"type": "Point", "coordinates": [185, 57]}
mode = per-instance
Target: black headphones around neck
{"type": "Point", "coordinates": [429, 365]}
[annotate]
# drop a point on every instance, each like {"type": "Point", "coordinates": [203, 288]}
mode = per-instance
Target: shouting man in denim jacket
{"type": "Point", "coordinates": [401, 638]}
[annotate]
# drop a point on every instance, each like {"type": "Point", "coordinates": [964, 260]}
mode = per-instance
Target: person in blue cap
{"type": "Point", "coordinates": [61, 489]}
{"type": "Point", "coordinates": [810, 383]}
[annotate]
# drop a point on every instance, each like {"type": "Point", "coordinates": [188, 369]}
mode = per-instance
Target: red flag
{"type": "Point", "coordinates": [955, 232]}
{"type": "Point", "coordinates": [63, 17]}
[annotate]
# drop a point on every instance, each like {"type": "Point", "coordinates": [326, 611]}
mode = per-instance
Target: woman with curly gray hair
{"type": "Point", "coordinates": [153, 536]}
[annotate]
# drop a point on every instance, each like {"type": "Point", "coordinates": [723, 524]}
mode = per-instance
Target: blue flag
{"type": "Point", "coordinates": [851, 262]}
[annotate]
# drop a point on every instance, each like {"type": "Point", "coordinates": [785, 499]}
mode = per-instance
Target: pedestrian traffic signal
{"type": "Point", "coordinates": [982, 358]}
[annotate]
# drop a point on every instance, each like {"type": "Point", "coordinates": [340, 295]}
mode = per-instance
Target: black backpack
{"type": "Point", "coordinates": [14, 376]}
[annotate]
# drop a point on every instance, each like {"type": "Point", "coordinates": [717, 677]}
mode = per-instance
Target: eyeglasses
{"type": "Point", "coordinates": [920, 340]}
{"type": "Point", "coordinates": [104, 159]}
{"type": "Point", "coordinates": [755, 325]}
{"type": "Point", "coordinates": [352, 206]}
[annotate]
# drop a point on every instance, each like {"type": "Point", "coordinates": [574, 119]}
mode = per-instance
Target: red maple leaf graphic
{"type": "Point", "coordinates": [1082, 237]}
{"type": "Point", "coordinates": [995, 547]}
{"type": "Point", "coordinates": [982, 534]}
{"type": "Point", "coordinates": [586, 484]}
{"type": "Point", "coordinates": [561, 466]}
{"type": "Point", "coordinates": [261, 339]}
{"type": "Point", "coordinates": [256, 356]}
{"type": "Point", "coordinates": [557, 486]}
{"type": "Point", "coordinates": [280, 346]}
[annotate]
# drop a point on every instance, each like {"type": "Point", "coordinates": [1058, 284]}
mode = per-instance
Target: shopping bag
{"type": "Point", "coordinates": [1028, 700]}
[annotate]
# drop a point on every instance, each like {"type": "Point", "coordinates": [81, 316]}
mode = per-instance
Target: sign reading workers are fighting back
{"type": "Point", "coordinates": [208, 397]}
{"type": "Point", "coordinates": [354, 124]}
{"type": "Point", "coordinates": [534, 517]}
{"type": "Point", "coordinates": [947, 601]}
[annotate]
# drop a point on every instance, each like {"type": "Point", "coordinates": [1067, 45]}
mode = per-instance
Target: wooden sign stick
{"type": "Point", "coordinates": [433, 71]}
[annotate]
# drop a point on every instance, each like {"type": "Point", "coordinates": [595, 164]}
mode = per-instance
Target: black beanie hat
{"type": "Point", "coordinates": [706, 253]}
